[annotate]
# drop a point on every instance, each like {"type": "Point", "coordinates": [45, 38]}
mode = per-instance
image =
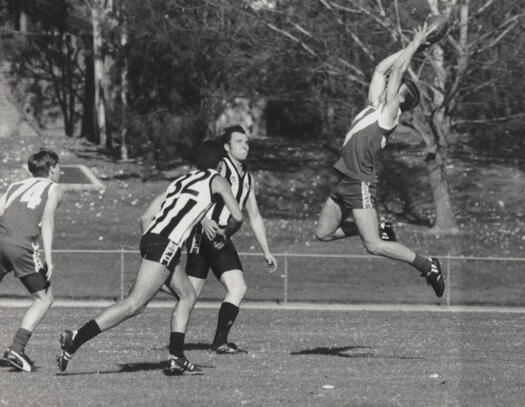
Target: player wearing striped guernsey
{"type": "Point", "coordinates": [354, 195]}
{"type": "Point", "coordinates": [27, 212]}
{"type": "Point", "coordinates": [224, 260]}
{"type": "Point", "coordinates": [166, 225]}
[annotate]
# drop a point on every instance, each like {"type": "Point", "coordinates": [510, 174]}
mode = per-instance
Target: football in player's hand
{"type": "Point", "coordinates": [437, 28]}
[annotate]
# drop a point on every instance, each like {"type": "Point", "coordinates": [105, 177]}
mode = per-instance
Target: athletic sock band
{"type": "Point", "coordinates": [84, 334]}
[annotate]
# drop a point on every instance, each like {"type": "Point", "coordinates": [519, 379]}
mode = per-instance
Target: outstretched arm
{"type": "Point", "coordinates": [379, 77]}
{"type": "Point", "coordinates": [257, 224]}
{"type": "Point", "coordinates": [397, 70]}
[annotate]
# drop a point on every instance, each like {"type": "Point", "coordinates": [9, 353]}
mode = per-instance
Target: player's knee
{"type": "Point", "coordinates": [374, 247]}
{"type": "Point", "coordinates": [188, 294]}
{"type": "Point", "coordinates": [133, 306]}
{"type": "Point", "coordinates": [239, 289]}
{"type": "Point", "coordinates": [322, 235]}
{"type": "Point", "coordinates": [45, 298]}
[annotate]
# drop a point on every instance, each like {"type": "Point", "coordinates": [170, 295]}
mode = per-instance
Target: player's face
{"type": "Point", "coordinates": [238, 147]}
{"type": "Point", "coordinates": [54, 173]}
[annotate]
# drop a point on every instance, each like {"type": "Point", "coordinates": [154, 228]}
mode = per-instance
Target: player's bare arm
{"type": "Point", "coordinates": [257, 224]}
{"type": "Point", "coordinates": [2, 204]}
{"type": "Point", "coordinates": [151, 210]}
{"type": "Point", "coordinates": [48, 224]}
{"type": "Point", "coordinates": [220, 186]}
{"type": "Point", "coordinates": [397, 70]}
{"type": "Point", "coordinates": [379, 77]}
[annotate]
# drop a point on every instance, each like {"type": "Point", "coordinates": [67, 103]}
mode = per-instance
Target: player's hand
{"type": "Point", "coordinates": [210, 228]}
{"type": "Point", "coordinates": [47, 270]}
{"type": "Point", "coordinates": [420, 34]}
{"type": "Point", "coordinates": [272, 263]}
{"type": "Point", "coordinates": [219, 241]}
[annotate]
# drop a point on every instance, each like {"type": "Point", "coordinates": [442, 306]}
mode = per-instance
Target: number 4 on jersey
{"type": "Point", "coordinates": [33, 196]}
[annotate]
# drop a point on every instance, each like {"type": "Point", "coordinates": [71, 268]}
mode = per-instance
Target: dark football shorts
{"type": "Point", "coordinates": [354, 194]}
{"type": "Point", "coordinates": [160, 249]}
{"type": "Point", "coordinates": [220, 261]}
{"type": "Point", "coordinates": [23, 259]}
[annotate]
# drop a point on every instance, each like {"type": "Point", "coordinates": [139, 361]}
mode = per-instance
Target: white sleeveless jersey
{"type": "Point", "coordinates": [188, 199]}
{"type": "Point", "coordinates": [240, 185]}
{"type": "Point", "coordinates": [24, 206]}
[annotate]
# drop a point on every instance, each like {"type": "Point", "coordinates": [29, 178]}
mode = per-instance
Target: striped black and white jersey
{"type": "Point", "coordinates": [240, 185]}
{"type": "Point", "coordinates": [188, 199]}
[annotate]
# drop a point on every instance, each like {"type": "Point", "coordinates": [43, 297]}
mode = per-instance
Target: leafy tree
{"type": "Point", "coordinates": [44, 61]}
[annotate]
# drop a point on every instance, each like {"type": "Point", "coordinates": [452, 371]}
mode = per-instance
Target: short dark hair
{"type": "Point", "coordinates": [207, 155]}
{"type": "Point", "coordinates": [40, 163]}
{"type": "Point", "coordinates": [226, 134]}
{"type": "Point", "coordinates": [412, 98]}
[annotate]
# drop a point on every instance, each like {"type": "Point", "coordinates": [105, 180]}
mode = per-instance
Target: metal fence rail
{"type": "Point", "coordinates": [476, 269]}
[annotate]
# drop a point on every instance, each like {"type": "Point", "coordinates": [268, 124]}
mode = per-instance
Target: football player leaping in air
{"type": "Point", "coordinates": [354, 195]}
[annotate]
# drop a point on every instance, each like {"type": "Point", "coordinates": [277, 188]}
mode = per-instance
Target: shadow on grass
{"type": "Point", "coordinates": [353, 352]}
{"type": "Point", "coordinates": [188, 346]}
{"type": "Point", "coordinates": [131, 368]}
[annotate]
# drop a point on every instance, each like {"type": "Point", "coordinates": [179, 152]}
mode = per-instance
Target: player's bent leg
{"type": "Point", "coordinates": [181, 285]}
{"type": "Point", "coordinates": [42, 296]}
{"type": "Point", "coordinates": [178, 364]}
{"type": "Point", "coordinates": [198, 284]}
{"type": "Point", "coordinates": [150, 277]}
{"type": "Point", "coordinates": [42, 301]}
{"type": "Point", "coordinates": [329, 221]}
{"type": "Point", "coordinates": [233, 281]}
{"type": "Point", "coordinates": [367, 223]}
{"type": "Point", "coordinates": [366, 220]}
{"type": "Point", "coordinates": [236, 288]}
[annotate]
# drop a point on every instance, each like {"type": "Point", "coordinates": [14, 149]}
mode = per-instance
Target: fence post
{"type": "Point", "coordinates": [122, 271]}
{"type": "Point", "coordinates": [285, 300]}
{"type": "Point", "coordinates": [449, 286]}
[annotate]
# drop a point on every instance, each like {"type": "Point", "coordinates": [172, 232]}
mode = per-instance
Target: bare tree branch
{"type": "Point", "coordinates": [293, 38]}
{"type": "Point", "coordinates": [482, 8]}
{"type": "Point", "coordinates": [499, 37]}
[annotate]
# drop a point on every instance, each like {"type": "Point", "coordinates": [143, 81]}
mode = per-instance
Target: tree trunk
{"type": "Point", "coordinates": [89, 118]}
{"type": "Point", "coordinates": [97, 12]}
{"type": "Point", "coordinates": [436, 165]}
{"type": "Point", "coordinates": [124, 100]}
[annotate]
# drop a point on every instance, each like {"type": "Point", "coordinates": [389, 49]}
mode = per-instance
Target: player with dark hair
{"type": "Point", "coordinates": [27, 212]}
{"type": "Point", "coordinates": [166, 225]}
{"type": "Point", "coordinates": [207, 250]}
{"type": "Point", "coordinates": [354, 195]}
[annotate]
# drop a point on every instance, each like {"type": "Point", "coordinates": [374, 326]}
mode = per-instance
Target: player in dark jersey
{"type": "Point", "coordinates": [354, 195]}
{"type": "Point", "coordinates": [166, 225]}
{"type": "Point", "coordinates": [27, 212]}
{"type": "Point", "coordinates": [224, 260]}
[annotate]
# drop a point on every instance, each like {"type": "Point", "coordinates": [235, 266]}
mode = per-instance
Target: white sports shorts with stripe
{"type": "Point", "coordinates": [354, 194]}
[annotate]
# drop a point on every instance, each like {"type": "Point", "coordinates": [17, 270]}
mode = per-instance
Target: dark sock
{"type": "Point", "coordinates": [227, 315]}
{"type": "Point", "coordinates": [20, 340]}
{"type": "Point", "coordinates": [176, 346]}
{"type": "Point", "coordinates": [349, 228]}
{"type": "Point", "coordinates": [84, 334]}
{"type": "Point", "coordinates": [422, 264]}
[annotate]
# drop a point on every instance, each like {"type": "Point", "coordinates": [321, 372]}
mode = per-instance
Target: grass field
{"type": "Point", "coordinates": [370, 358]}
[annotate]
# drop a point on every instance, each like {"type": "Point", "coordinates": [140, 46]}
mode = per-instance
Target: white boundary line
{"type": "Point", "coordinates": [300, 306]}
